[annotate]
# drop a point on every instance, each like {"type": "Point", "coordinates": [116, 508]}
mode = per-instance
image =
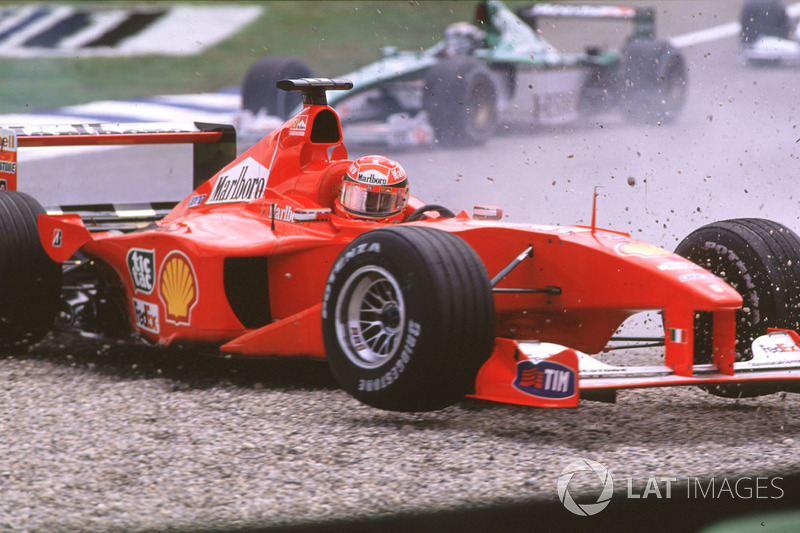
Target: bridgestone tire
{"type": "Point", "coordinates": [30, 282]}
{"type": "Point", "coordinates": [761, 260]}
{"type": "Point", "coordinates": [652, 81]}
{"type": "Point", "coordinates": [763, 17]}
{"type": "Point", "coordinates": [260, 93]}
{"type": "Point", "coordinates": [461, 101]}
{"type": "Point", "coordinates": [408, 318]}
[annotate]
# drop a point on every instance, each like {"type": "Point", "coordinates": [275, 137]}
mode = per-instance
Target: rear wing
{"type": "Point", "coordinates": [643, 18]}
{"type": "Point", "coordinates": [213, 146]}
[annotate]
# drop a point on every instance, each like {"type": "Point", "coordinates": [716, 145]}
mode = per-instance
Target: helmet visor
{"type": "Point", "coordinates": [372, 200]}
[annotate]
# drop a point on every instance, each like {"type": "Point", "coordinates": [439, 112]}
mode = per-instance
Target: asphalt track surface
{"type": "Point", "coordinates": [733, 153]}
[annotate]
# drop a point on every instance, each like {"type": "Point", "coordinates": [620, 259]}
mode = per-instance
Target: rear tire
{"type": "Point", "coordinates": [259, 92]}
{"type": "Point", "coordinates": [761, 260]}
{"type": "Point", "coordinates": [461, 101]}
{"type": "Point", "coordinates": [408, 318]}
{"type": "Point", "coordinates": [30, 282]}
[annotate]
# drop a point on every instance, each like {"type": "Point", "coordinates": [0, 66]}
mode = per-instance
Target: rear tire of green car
{"type": "Point", "coordinates": [259, 93]}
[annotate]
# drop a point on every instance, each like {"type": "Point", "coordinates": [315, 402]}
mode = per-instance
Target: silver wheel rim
{"type": "Point", "coordinates": [370, 317]}
{"type": "Point", "coordinates": [482, 108]}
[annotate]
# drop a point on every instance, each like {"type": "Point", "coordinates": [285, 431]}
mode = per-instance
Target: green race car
{"type": "Point", "coordinates": [498, 69]}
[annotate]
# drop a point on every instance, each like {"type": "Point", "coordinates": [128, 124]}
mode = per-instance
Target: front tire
{"type": "Point", "coordinates": [30, 282]}
{"type": "Point", "coordinates": [408, 318]}
{"type": "Point", "coordinates": [761, 260]}
{"type": "Point", "coordinates": [461, 101]}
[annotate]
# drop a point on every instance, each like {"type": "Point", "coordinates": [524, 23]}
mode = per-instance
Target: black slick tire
{"type": "Point", "coordinates": [30, 282]}
{"type": "Point", "coordinates": [761, 260]}
{"type": "Point", "coordinates": [408, 318]}
{"type": "Point", "coordinates": [651, 81]}
{"type": "Point", "coordinates": [461, 101]}
{"type": "Point", "coordinates": [259, 92]}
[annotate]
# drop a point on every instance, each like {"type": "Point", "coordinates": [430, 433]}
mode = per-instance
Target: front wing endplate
{"type": "Point", "coordinates": [549, 375]}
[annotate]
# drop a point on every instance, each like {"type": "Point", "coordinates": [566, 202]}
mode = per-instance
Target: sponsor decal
{"type": "Point", "coordinates": [558, 10]}
{"type": "Point", "coordinates": [103, 129]}
{"type": "Point", "coordinates": [487, 212]}
{"type": "Point", "coordinates": [286, 214]}
{"type": "Point", "coordinates": [355, 339]}
{"type": "Point", "coordinates": [299, 125]}
{"type": "Point", "coordinates": [545, 379]}
{"type": "Point", "coordinates": [552, 105]}
{"type": "Point", "coordinates": [146, 315]}
{"type": "Point", "coordinates": [641, 249]}
{"type": "Point", "coordinates": [8, 159]}
{"type": "Point", "coordinates": [177, 287]}
{"type": "Point", "coordinates": [414, 330]}
{"type": "Point", "coordinates": [373, 177]}
{"type": "Point", "coordinates": [668, 266]}
{"type": "Point", "coordinates": [779, 348]}
{"type": "Point", "coordinates": [611, 236]}
{"type": "Point", "coordinates": [196, 200]}
{"type": "Point", "coordinates": [690, 277]}
{"type": "Point", "coordinates": [312, 215]}
{"type": "Point", "coordinates": [243, 182]}
{"type": "Point", "coordinates": [142, 267]}
{"type": "Point", "coordinates": [58, 238]}
{"type": "Point", "coordinates": [8, 140]}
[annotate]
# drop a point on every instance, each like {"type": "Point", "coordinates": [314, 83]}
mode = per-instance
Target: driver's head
{"type": "Point", "coordinates": [374, 188]}
{"type": "Point", "coordinates": [462, 38]}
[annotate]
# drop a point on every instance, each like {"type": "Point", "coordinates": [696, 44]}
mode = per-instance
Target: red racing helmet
{"type": "Point", "coordinates": [374, 188]}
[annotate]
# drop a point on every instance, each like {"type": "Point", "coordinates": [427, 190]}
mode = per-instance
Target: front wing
{"type": "Point", "coordinates": [549, 375]}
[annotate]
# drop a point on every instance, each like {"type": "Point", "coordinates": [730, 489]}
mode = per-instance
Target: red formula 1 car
{"type": "Point", "coordinates": [258, 261]}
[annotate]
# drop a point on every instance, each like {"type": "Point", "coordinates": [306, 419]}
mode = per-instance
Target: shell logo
{"type": "Point", "coordinates": [641, 249]}
{"type": "Point", "coordinates": [177, 288]}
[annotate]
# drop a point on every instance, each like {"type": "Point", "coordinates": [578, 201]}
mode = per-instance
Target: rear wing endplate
{"type": "Point", "coordinates": [643, 18]}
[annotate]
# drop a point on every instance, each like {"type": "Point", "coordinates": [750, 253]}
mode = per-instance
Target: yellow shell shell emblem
{"type": "Point", "coordinates": [642, 249]}
{"type": "Point", "coordinates": [178, 288]}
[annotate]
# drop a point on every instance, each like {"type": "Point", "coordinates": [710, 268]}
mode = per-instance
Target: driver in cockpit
{"type": "Point", "coordinates": [373, 188]}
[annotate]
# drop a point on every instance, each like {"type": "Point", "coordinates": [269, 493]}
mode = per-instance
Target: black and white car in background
{"type": "Point", "coordinates": [769, 32]}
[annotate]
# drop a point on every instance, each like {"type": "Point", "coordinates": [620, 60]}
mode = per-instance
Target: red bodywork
{"type": "Point", "coordinates": [241, 264]}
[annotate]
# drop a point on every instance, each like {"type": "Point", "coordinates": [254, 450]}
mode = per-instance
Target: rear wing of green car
{"type": "Point", "coordinates": [643, 18]}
